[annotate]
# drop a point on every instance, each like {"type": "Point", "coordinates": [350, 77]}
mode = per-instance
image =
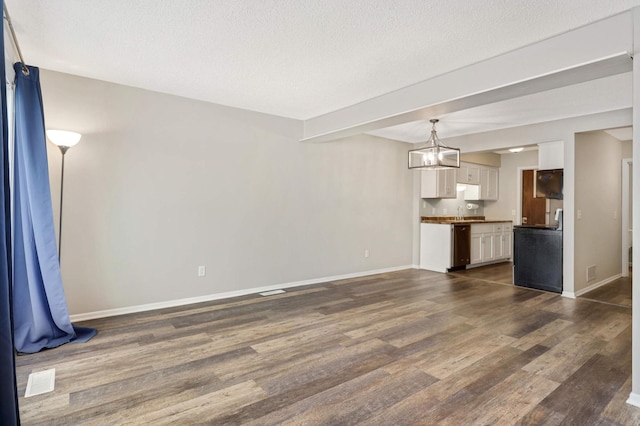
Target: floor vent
{"type": "Point", "coordinates": [591, 273]}
{"type": "Point", "coordinates": [40, 382]}
{"type": "Point", "coordinates": [271, 293]}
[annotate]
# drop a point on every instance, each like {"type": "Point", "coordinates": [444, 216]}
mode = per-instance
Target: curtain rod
{"type": "Point", "coordinates": [7, 18]}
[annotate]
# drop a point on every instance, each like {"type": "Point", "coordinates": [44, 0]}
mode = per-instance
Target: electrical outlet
{"type": "Point", "coordinates": [433, 210]}
{"type": "Point", "coordinates": [366, 253]}
{"type": "Point", "coordinates": [202, 271]}
{"type": "Point", "coordinates": [445, 211]}
{"type": "Point", "coordinates": [424, 204]}
{"type": "Point", "coordinates": [579, 214]}
{"type": "Point", "coordinates": [513, 212]}
{"type": "Point", "coordinates": [615, 214]}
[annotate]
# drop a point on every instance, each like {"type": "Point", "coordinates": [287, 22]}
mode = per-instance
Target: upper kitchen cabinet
{"type": "Point", "coordinates": [488, 187]}
{"type": "Point", "coordinates": [551, 155]}
{"type": "Point", "coordinates": [438, 183]}
{"type": "Point", "coordinates": [468, 174]}
{"type": "Point", "coordinates": [489, 183]}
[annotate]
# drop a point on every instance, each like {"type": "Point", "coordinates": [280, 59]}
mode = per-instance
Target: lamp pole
{"type": "Point", "coordinates": [63, 150]}
{"type": "Point", "coordinates": [64, 140]}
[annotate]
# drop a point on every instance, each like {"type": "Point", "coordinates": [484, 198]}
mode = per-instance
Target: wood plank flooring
{"type": "Point", "coordinates": [617, 292]}
{"type": "Point", "coordinates": [498, 272]}
{"type": "Point", "coordinates": [409, 347]}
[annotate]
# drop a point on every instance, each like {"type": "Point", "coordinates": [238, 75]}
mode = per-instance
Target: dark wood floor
{"type": "Point", "coordinates": [410, 347]}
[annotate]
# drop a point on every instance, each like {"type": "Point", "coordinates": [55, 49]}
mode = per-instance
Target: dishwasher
{"type": "Point", "coordinates": [461, 240]}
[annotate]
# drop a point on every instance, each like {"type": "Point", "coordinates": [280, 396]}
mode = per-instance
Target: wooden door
{"type": "Point", "coordinates": [533, 209]}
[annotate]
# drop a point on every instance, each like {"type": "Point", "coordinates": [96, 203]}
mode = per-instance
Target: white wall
{"type": "Point", "coordinates": [627, 149]}
{"type": "Point", "coordinates": [509, 181]}
{"type": "Point", "coordinates": [598, 206]}
{"type": "Point", "coordinates": [161, 184]}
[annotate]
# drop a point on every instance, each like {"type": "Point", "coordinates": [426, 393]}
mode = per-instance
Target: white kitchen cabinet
{"type": "Point", "coordinates": [489, 183]}
{"type": "Point", "coordinates": [468, 174]}
{"type": "Point", "coordinates": [488, 247]}
{"type": "Point", "coordinates": [507, 245]}
{"type": "Point", "coordinates": [476, 248]}
{"type": "Point", "coordinates": [481, 242]}
{"type": "Point", "coordinates": [502, 240]}
{"type": "Point", "coordinates": [438, 184]}
{"type": "Point", "coordinates": [551, 155]}
{"type": "Point", "coordinates": [490, 242]}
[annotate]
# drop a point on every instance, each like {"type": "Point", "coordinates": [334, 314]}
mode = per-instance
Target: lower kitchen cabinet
{"type": "Point", "coordinates": [490, 242]}
{"type": "Point", "coordinates": [502, 241]}
{"type": "Point", "coordinates": [476, 247]}
{"type": "Point", "coordinates": [447, 246]}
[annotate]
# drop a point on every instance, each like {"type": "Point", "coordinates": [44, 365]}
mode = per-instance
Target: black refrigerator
{"type": "Point", "coordinates": [537, 258]}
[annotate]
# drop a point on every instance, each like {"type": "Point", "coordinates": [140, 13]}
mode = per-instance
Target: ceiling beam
{"type": "Point", "coordinates": [570, 58]}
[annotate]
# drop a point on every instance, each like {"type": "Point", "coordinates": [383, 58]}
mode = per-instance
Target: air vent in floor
{"type": "Point", "coordinates": [41, 382]}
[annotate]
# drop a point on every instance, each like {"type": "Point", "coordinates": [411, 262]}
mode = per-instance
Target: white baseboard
{"type": "Point", "coordinates": [634, 399]}
{"type": "Point", "coordinates": [226, 295]}
{"type": "Point", "coordinates": [598, 284]}
{"type": "Point", "coordinates": [569, 294]}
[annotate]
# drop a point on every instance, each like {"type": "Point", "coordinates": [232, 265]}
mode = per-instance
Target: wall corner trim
{"type": "Point", "coordinates": [226, 295]}
{"type": "Point", "coordinates": [634, 399]}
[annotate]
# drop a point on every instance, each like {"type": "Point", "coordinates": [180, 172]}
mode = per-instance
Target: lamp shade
{"type": "Point", "coordinates": [63, 137]}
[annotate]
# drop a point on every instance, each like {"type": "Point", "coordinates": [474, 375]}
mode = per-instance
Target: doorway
{"type": "Point", "coordinates": [533, 210]}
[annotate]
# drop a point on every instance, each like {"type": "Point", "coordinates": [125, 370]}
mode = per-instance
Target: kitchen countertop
{"type": "Point", "coordinates": [451, 220]}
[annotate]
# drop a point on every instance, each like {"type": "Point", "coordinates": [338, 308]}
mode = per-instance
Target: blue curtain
{"type": "Point", "coordinates": [41, 318]}
{"type": "Point", "coordinates": [8, 393]}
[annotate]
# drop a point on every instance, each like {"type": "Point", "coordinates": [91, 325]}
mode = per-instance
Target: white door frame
{"type": "Point", "coordinates": [626, 220]}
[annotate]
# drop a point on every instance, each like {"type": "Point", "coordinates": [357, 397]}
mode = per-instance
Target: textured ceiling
{"type": "Point", "coordinates": [295, 58]}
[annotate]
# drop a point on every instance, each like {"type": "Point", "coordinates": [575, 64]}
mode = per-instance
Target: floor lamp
{"type": "Point", "coordinates": [64, 140]}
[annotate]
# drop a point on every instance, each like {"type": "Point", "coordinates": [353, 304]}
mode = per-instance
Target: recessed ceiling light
{"type": "Point", "coordinates": [516, 149]}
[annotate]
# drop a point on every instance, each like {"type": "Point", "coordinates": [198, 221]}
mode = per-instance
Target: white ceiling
{"type": "Point", "coordinates": [605, 94]}
{"type": "Point", "coordinates": [621, 133]}
{"type": "Point", "coordinates": [304, 58]}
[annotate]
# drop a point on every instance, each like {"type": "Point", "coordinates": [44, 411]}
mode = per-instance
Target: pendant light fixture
{"type": "Point", "coordinates": [434, 155]}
